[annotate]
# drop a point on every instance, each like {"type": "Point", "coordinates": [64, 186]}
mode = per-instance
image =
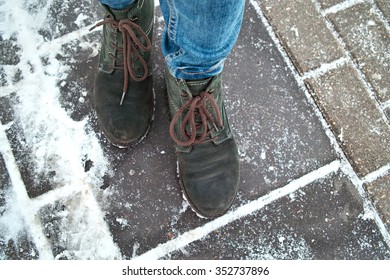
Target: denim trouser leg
{"type": "Point", "coordinates": [198, 35]}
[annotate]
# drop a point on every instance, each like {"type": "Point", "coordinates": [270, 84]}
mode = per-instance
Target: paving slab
{"type": "Point", "coordinates": [37, 182]}
{"type": "Point", "coordinates": [355, 118]}
{"type": "Point", "coordinates": [11, 49]}
{"type": "Point", "coordinates": [4, 186]}
{"type": "Point", "coordinates": [379, 192]}
{"type": "Point", "coordinates": [20, 247]}
{"type": "Point", "coordinates": [384, 6]}
{"type": "Point", "coordinates": [303, 32]}
{"type": "Point", "coordinates": [324, 220]}
{"type": "Point", "coordinates": [6, 108]}
{"type": "Point", "coordinates": [74, 230]}
{"type": "Point", "coordinates": [15, 242]}
{"type": "Point", "coordinates": [65, 16]}
{"type": "Point", "coordinates": [368, 40]}
{"type": "Point", "coordinates": [387, 112]}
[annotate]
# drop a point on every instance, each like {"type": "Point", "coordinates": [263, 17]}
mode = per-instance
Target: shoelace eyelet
{"type": "Point", "coordinates": [184, 94]}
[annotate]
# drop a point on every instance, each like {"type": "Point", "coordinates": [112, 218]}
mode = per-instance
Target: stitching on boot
{"type": "Point", "coordinates": [140, 3]}
{"type": "Point", "coordinates": [198, 83]}
{"type": "Point", "coordinates": [121, 11]}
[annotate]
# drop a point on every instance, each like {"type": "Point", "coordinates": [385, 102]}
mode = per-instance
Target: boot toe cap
{"type": "Point", "coordinates": [210, 177]}
{"type": "Point", "coordinates": [210, 199]}
{"type": "Point", "coordinates": [122, 132]}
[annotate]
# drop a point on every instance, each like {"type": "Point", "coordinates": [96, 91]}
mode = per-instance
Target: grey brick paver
{"type": "Point", "coordinates": [303, 32]}
{"type": "Point", "coordinates": [384, 6]}
{"type": "Point", "coordinates": [387, 112]}
{"type": "Point", "coordinates": [369, 42]}
{"type": "Point", "coordinates": [379, 192]}
{"type": "Point", "coordinates": [16, 247]}
{"type": "Point", "coordinates": [354, 118]}
{"type": "Point", "coordinates": [5, 184]}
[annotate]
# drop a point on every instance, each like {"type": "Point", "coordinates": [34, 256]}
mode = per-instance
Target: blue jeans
{"type": "Point", "coordinates": [198, 34]}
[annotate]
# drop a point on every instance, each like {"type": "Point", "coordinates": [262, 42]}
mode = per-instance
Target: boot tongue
{"type": "Point", "coordinates": [197, 86]}
{"type": "Point", "coordinates": [120, 14]}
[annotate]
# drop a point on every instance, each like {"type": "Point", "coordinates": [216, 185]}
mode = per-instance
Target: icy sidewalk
{"type": "Point", "coordinates": [67, 194]}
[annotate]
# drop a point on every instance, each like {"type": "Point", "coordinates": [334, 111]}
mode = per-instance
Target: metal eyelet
{"type": "Point", "coordinates": [184, 94]}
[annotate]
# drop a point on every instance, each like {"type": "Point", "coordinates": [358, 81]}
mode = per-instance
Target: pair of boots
{"type": "Point", "coordinates": [208, 162]}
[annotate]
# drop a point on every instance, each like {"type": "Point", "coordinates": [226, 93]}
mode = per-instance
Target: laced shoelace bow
{"type": "Point", "coordinates": [130, 42]}
{"type": "Point", "coordinates": [197, 117]}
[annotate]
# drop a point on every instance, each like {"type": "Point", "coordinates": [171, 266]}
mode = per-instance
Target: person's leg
{"type": "Point", "coordinates": [123, 90]}
{"type": "Point", "coordinates": [198, 37]}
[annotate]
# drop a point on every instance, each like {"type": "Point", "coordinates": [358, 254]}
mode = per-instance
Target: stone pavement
{"type": "Point", "coordinates": [307, 91]}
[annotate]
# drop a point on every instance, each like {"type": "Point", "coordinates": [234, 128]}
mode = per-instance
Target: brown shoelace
{"type": "Point", "coordinates": [198, 117]}
{"type": "Point", "coordinates": [130, 42]}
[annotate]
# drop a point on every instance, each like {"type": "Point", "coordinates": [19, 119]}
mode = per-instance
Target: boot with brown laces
{"type": "Point", "coordinates": [208, 162]}
{"type": "Point", "coordinates": [123, 92]}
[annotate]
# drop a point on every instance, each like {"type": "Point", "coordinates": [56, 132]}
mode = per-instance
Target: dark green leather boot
{"type": "Point", "coordinates": [208, 162]}
{"type": "Point", "coordinates": [123, 92]}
